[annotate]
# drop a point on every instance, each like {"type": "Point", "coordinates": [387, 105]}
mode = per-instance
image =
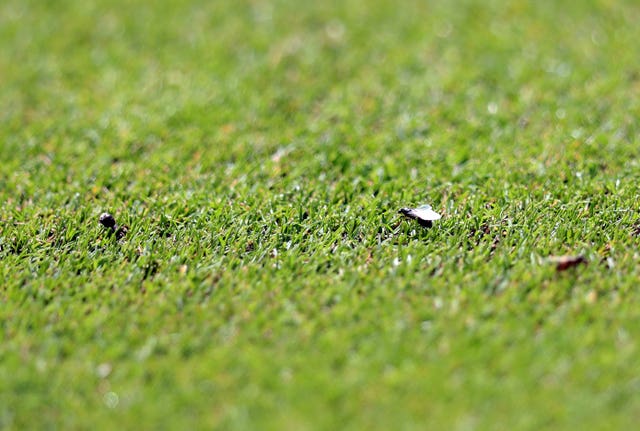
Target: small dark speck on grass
{"type": "Point", "coordinates": [249, 247]}
{"type": "Point", "coordinates": [108, 221]}
{"type": "Point", "coordinates": [121, 232]}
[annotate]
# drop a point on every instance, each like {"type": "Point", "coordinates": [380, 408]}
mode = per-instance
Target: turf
{"type": "Point", "coordinates": [259, 152]}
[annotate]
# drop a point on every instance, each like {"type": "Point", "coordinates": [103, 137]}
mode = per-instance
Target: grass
{"type": "Point", "coordinates": [259, 152]}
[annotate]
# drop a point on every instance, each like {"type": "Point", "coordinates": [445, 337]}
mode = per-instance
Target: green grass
{"type": "Point", "coordinates": [259, 152]}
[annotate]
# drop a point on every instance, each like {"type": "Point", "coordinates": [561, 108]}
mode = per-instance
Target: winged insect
{"type": "Point", "coordinates": [424, 215]}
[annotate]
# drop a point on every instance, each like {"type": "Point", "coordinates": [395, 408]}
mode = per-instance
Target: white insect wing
{"type": "Point", "coordinates": [426, 213]}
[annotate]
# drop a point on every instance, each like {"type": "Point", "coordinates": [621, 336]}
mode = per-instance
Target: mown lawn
{"type": "Point", "coordinates": [259, 152]}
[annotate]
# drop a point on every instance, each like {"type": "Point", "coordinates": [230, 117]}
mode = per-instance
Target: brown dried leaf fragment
{"type": "Point", "coordinates": [565, 262]}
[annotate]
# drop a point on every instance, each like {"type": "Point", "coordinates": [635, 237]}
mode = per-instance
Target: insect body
{"type": "Point", "coordinates": [109, 222]}
{"type": "Point", "coordinates": [423, 214]}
